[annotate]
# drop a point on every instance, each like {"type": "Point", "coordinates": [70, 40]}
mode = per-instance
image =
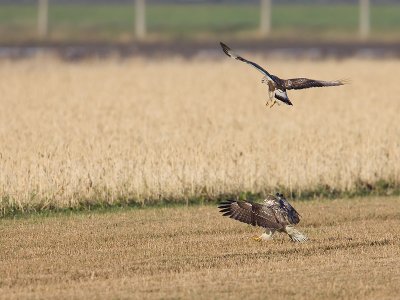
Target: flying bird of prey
{"type": "Point", "coordinates": [275, 214]}
{"type": "Point", "coordinates": [277, 86]}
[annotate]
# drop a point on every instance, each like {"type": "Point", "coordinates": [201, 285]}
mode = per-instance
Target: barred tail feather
{"type": "Point", "coordinates": [295, 235]}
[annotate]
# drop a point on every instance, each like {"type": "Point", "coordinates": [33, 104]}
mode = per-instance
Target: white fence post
{"type": "Point", "coordinates": [265, 17]}
{"type": "Point", "coordinates": [364, 18]}
{"type": "Point", "coordinates": [140, 18]}
{"type": "Point", "coordinates": [43, 17]}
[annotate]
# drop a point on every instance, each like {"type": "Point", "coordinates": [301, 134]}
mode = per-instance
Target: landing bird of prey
{"type": "Point", "coordinates": [277, 86]}
{"type": "Point", "coordinates": [275, 214]}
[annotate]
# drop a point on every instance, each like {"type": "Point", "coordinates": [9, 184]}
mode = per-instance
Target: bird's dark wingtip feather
{"type": "Point", "coordinates": [225, 208]}
{"type": "Point", "coordinates": [226, 202]}
{"type": "Point", "coordinates": [225, 48]}
{"type": "Point", "coordinates": [224, 45]}
{"type": "Point", "coordinates": [224, 205]}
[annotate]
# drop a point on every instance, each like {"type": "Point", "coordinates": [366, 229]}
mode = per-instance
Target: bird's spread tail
{"type": "Point", "coordinates": [295, 235]}
{"type": "Point", "coordinates": [282, 96]}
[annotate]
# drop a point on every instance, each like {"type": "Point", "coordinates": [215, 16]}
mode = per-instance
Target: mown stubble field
{"type": "Point", "coordinates": [193, 252]}
{"type": "Point", "coordinates": [135, 131]}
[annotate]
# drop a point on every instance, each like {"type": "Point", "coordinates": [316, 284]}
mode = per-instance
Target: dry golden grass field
{"type": "Point", "coordinates": [353, 252]}
{"type": "Point", "coordinates": [117, 131]}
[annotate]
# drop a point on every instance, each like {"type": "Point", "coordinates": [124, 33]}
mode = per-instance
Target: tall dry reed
{"type": "Point", "coordinates": [107, 131]}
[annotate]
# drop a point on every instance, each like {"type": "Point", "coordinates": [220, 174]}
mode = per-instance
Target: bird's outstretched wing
{"type": "Point", "coordinates": [304, 83]}
{"type": "Point", "coordinates": [251, 213]}
{"type": "Point", "coordinates": [228, 51]}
